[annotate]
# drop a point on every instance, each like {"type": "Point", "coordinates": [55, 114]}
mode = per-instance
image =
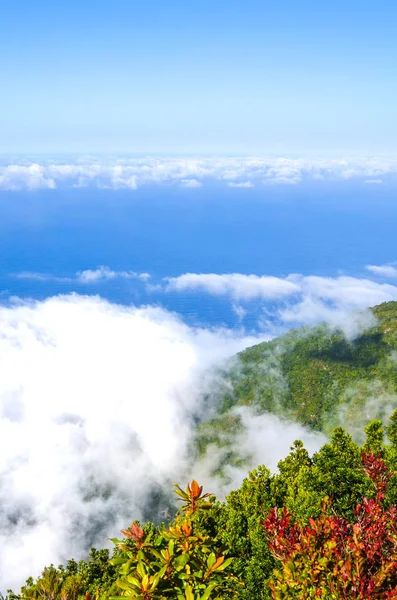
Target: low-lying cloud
{"type": "Point", "coordinates": [91, 275]}
{"type": "Point", "coordinates": [97, 408]}
{"type": "Point", "coordinates": [387, 271]}
{"type": "Point", "coordinates": [284, 301]}
{"type": "Point", "coordinates": [87, 276]}
{"type": "Point", "coordinates": [301, 299]}
{"type": "Point", "coordinates": [246, 172]}
{"type": "Point", "coordinates": [237, 285]}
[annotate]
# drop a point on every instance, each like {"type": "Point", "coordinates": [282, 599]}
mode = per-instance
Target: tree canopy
{"type": "Point", "coordinates": [323, 526]}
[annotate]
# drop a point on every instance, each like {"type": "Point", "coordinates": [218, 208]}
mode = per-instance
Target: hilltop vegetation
{"type": "Point", "coordinates": [323, 527]}
{"type": "Point", "coordinates": [312, 375]}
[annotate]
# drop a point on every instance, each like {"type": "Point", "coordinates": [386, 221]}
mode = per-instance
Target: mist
{"type": "Point", "coordinates": [98, 405]}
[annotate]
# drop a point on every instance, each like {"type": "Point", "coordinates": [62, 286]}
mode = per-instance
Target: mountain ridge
{"type": "Point", "coordinates": [313, 375]}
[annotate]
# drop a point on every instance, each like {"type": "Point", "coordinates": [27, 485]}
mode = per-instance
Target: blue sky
{"type": "Point", "coordinates": [287, 77]}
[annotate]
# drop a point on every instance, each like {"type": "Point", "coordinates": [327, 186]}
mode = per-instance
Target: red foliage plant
{"type": "Point", "coordinates": [330, 558]}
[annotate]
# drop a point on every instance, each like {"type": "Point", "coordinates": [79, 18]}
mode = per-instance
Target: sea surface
{"type": "Point", "coordinates": [312, 229]}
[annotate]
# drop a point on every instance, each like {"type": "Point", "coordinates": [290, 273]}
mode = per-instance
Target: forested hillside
{"type": "Point", "coordinates": [324, 527]}
{"type": "Point", "coordinates": [315, 376]}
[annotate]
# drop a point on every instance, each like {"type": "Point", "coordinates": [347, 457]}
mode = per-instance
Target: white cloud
{"type": "Point", "coordinates": [190, 183]}
{"type": "Point", "coordinates": [131, 173]}
{"type": "Point", "coordinates": [32, 177]}
{"type": "Point", "coordinates": [373, 181]}
{"type": "Point", "coordinates": [241, 184]}
{"type": "Point", "coordinates": [383, 270]}
{"type": "Point", "coordinates": [302, 299]}
{"type": "Point", "coordinates": [240, 287]}
{"type": "Point", "coordinates": [264, 438]}
{"type": "Point", "coordinates": [91, 276]}
{"type": "Point", "coordinates": [239, 311]}
{"type": "Point", "coordinates": [33, 276]}
{"type": "Point", "coordinates": [350, 292]}
{"type": "Point", "coordinates": [87, 276]}
{"type": "Point", "coordinates": [93, 396]}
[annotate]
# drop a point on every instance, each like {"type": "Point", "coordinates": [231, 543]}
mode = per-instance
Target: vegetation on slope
{"type": "Point", "coordinates": [312, 375]}
{"type": "Point", "coordinates": [323, 526]}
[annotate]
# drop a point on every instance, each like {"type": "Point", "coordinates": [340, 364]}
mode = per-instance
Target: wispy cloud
{"type": "Point", "coordinates": [104, 273]}
{"type": "Point", "coordinates": [348, 290]}
{"type": "Point", "coordinates": [191, 183]}
{"type": "Point", "coordinates": [238, 286]}
{"type": "Point", "coordinates": [297, 299]}
{"type": "Point", "coordinates": [383, 270]}
{"type": "Point", "coordinates": [88, 276]}
{"type": "Point", "coordinates": [130, 174]}
{"type": "Point", "coordinates": [240, 184]}
{"type": "Point", "coordinates": [32, 276]}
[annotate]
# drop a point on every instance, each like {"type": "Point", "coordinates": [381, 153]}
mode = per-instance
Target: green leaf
{"type": "Point", "coordinates": [126, 586]}
{"type": "Point", "coordinates": [141, 569]}
{"type": "Point", "coordinates": [134, 581]}
{"type": "Point", "coordinates": [119, 560]}
{"type": "Point", "coordinates": [183, 575]}
{"type": "Point", "coordinates": [198, 574]}
{"type": "Point", "coordinates": [158, 555]}
{"type": "Point", "coordinates": [116, 541]}
{"type": "Point", "coordinates": [181, 560]}
{"type": "Point", "coordinates": [162, 571]}
{"type": "Point", "coordinates": [145, 581]}
{"type": "Point", "coordinates": [154, 581]}
{"type": "Point", "coordinates": [211, 560]}
{"type": "Point", "coordinates": [208, 591]}
{"type": "Point", "coordinates": [127, 566]}
{"type": "Point", "coordinates": [141, 555]}
{"type": "Point", "coordinates": [188, 593]}
{"type": "Point", "coordinates": [180, 492]}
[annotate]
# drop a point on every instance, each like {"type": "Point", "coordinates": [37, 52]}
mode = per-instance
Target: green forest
{"type": "Point", "coordinates": [311, 375]}
{"type": "Point", "coordinates": [324, 526]}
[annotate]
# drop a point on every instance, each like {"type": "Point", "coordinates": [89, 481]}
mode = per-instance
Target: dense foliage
{"type": "Point", "coordinates": [177, 561]}
{"type": "Point", "coordinates": [313, 375]}
{"type": "Point", "coordinates": [323, 526]}
{"type": "Point", "coordinates": [331, 558]}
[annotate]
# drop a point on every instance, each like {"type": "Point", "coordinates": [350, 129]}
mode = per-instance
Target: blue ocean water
{"type": "Point", "coordinates": [313, 229]}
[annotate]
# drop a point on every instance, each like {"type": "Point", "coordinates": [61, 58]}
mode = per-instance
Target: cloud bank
{"type": "Point", "coordinates": [247, 172]}
{"type": "Point", "coordinates": [284, 301]}
{"type": "Point", "coordinates": [300, 299]}
{"type": "Point", "coordinates": [96, 416]}
{"type": "Point", "coordinates": [238, 286]}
